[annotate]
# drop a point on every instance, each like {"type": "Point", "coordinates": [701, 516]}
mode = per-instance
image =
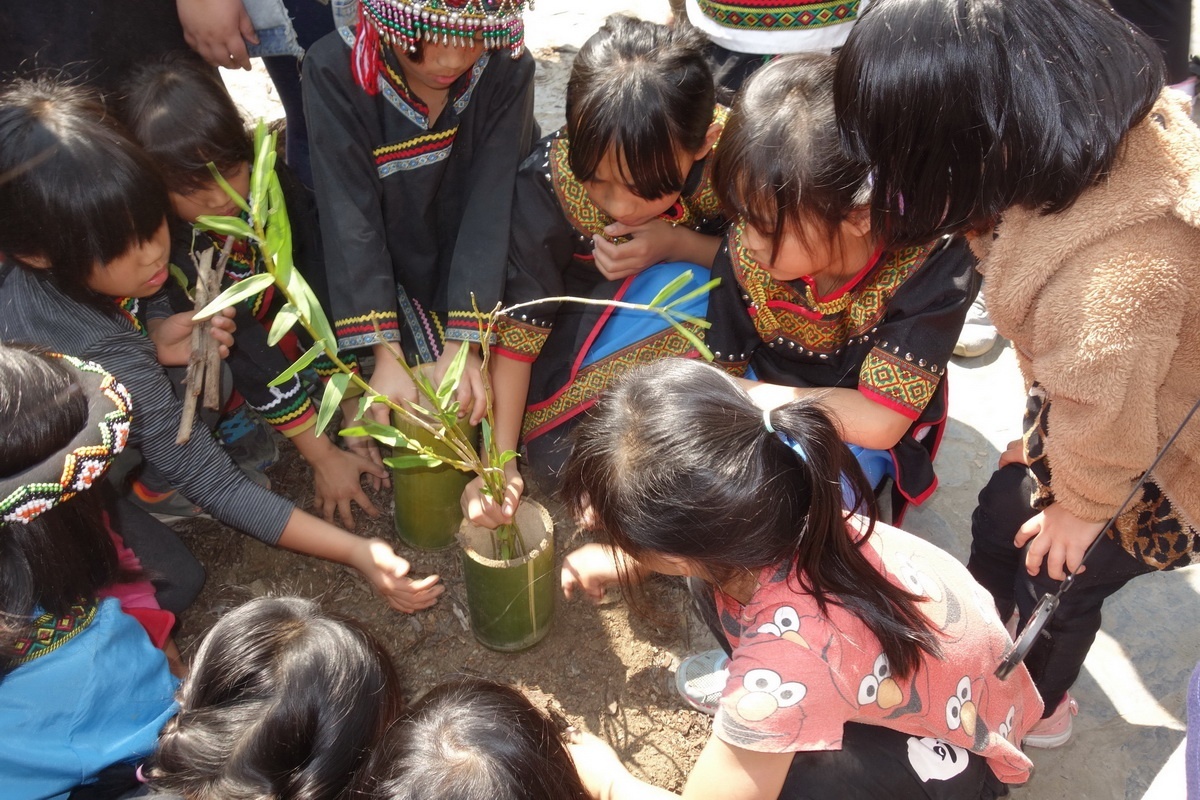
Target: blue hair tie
{"type": "Point", "coordinates": [792, 444]}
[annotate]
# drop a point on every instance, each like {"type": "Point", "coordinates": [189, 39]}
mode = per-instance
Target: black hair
{"type": "Point", "coordinates": [284, 700]}
{"type": "Point", "coordinates": [781, 161]}
{"type": "Point", "coordinates": [967, 107]}
{"type": "Point", "coordinates": [64, 554]}
{"type": "Point", "coordinates": [646, 91]}
{"type": "Point", "coordinates": [75, 189]}
{"type": "Point", "coordinates": [472, 739]}
{"type": "Point", "coordinates": [675, 460]}
{"type": "Point", "coordinates": [181, 113]}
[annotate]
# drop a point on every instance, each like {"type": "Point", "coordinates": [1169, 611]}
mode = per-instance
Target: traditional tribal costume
{"type": "Point", "coordinates": [415, 211]}
{"type": "Point", "coordinates": [888, 332]}
{"type": "Point", "coordinates": [578, 350]}
{"type": "Point", "coordinates": [85, 689]}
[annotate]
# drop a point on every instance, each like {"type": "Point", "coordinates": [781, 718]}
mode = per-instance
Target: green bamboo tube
{"type": "Point", "coordinates": [427, 509]}
{"type": "Point", "coordinates": [511, 602]}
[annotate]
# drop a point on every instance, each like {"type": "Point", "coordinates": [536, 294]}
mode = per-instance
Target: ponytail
{"type": "Point", "coordinates": [677, 460]}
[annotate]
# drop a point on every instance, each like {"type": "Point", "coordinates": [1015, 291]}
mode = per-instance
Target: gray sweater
{"type": "Point", "coordinates": [33, 311]}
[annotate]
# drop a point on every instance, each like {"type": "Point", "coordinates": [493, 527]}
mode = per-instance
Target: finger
{"type": "Point", "coordinates": [380, 413]}
{"type": "Point", "coordinates": [1027, 531]}
{"type": "Point", "coordinates": [619, 229]}
{"type": "Point", "coordinates": [328, 507]}
{"type": "Point", "coordinates": [480, 407]}
{"type": "Point", "coordinates": [512, 496]}
{"type": "Point", "coordinates": [346, 513]}
{"type": "Point", "coordinates": [1036, 554]}
{"type": "Point", "coordinates": [238, 57]}
{"type": "Point", "coordinates": [365, 503]}
{"type": "Point", "coordinates": [570, 579]}
{"type": "Point", "coordinates": [246, 27]}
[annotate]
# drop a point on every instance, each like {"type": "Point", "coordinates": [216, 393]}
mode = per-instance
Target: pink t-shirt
{"type": "Point", "coordinates": [797, 676]}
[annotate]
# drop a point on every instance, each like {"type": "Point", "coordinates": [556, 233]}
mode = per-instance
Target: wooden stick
{"type": "Point", "coordinates": [197, 358]}
{"type": "Point", "coordinates": [212, 368]}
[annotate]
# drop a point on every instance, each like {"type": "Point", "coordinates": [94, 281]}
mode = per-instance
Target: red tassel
{"type": "Point", "coordinates": [364, 58]}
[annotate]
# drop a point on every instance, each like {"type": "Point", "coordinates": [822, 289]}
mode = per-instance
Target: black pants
{"type": "Point", "coordinates": [874, 762]}
{"type": "Point", "coordinates": [1056, 659]}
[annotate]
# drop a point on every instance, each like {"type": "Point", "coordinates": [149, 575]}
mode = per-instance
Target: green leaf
{"type": "Point", "coordinates": [335, 387]}
{"type": "Point", "coordinates": [310, 355]}
{"type": "Point", "coordinates": [453, 374]}
{"type": "Point", "coordinates": [386, 434]}
{"type": "Point", "coordinates": [505, 457]}
{"type": "Point", "coordinates": [410, 461]}
{"type": "Point", "coordinates": [485, 434]}
{"type": "Point", "coordinates": [234, 294]}
{"type": "Point", "coordinates": [365, 402]}
{"type": "Point", "coordinates": [179, 276]}
{"type": "Point", "coordinates": [229, 190]}
{"type": "Point", "coordinates": [705, 289]}
{"type": "Point", "coordinates": [681, 316]}
{"type": "Point", "coordinates": [263, 148]}
{"type": "Point", "coordinates": [279, 231]}
{"type": "Point", "coordinates": [700, 346]}
{"type": "Point", "coordinates": [285, 319]}
{"type": "Point", "coordinates": [681, 280]}
{"type": "Point", "coordinates": [227, 226]}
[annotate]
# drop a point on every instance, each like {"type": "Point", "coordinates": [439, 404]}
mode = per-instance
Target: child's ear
{"type": "Point", "coordinates": [710, 138]}
{"type": "Point", "coordinates": [859, 221]}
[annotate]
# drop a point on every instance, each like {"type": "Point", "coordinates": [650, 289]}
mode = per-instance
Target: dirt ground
{"type": "Point", "coordinates": [603, 667]}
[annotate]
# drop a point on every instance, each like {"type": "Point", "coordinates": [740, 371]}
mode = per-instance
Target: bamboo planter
{"type": "Point", "coordinates": [428, 513]}
{"type": "Point", "coordinates": [511, 602]}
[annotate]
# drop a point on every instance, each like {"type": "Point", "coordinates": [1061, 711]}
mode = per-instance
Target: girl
{"type": "Point", "coordinates": [85, 240]}
{"type": "Point", "coordinates": [862, 658]}
{"type": "Point", "coordinates": [83, 691]}
{"type": "Point", "coordinates": [1075, 176]}
{"type": "Point", "coordinates": [811, 302]}
{"type": "Point", "coordinates": [417, 120]}
{"type": "Point", "coordinates": [624, 186]}
{"type": "Point", "coordinates": [283, 701]}
{"type": "Point", "coordinates": [181, 114]}
{"type": "Point", "coordinates": [472, 739]}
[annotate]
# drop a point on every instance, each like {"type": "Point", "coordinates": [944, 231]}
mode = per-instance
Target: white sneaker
{"type": "Point", "coordinates": [701, 679]}
{"type": "Point", "coordinates": [978, 335]}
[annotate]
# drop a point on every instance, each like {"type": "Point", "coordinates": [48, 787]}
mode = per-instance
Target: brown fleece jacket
{"type": "Point", "coordinates": [1102, 303]}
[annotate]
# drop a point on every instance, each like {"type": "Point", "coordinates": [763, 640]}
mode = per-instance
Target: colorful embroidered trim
{"type": "Point", "coordinates": [897, 382]}
{"type": "Point", "coordinates": [590, 381]}
{"type": "Point", "coordinates": [428, 148]}
{"type": "Point", "coordinates": [131, 310]}
{"type": "Point", "coordinates": [62, 475]}
{"type": "Point", "coordinates": [793, 317]}
{"type": "Point", "coordinates": [370, 328]}
{"type": "Point", "coordinates": [779, 14]}
{"type": "Point", "coordinates": [465, 326]}
{"type": "Point", "coordinates": [491, 23]}
{"type": "Point", "coordinates": [48, 634]}
{"type": "Point", "coordinates": [290, 408]}
{"type": "Point", "coordinates": [520, 340]}
{"type": "Point", "coordinates": [588, 219]}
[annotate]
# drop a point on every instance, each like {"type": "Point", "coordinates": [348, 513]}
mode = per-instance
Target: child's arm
{"type": "Point", "coordinates": [861, 420]}
{"type": "Point", "coordinates": [374, 558]}
{"type": "Point", "coordinates": [510, 384]}
{"type": "Point", "coordinates": [652, 243]}
{"type": "Point", "coordinates": [337, 477]}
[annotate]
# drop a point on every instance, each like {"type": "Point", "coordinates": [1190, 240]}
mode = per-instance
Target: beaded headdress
{"type": "Point", "coordinates": [77, 467]}
{"type": "Point", "coordinates": [449, 22]}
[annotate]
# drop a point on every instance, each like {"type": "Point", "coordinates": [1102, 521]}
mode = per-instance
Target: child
{"type": "Point", "coordinates": [181, 114]}
{"type": "Point", "coordinates": [471, 739]}
{"type": "Point", "coordinates": [1075, 176]}
{"type": "Point", "coordinates": [283, 700]}
{"type": "Point", "coordinates": [417, 121]}
{"type": "Point", "coordinates": [861, 658]}
{"type": "Point", "coordinates": [83, 691]}
{"type": "Point", "coordinates": [811, 303]}
{"type": "Point", "coordinates": [624, 186]}
{"type": "Point", "coordinates": [85, 240]}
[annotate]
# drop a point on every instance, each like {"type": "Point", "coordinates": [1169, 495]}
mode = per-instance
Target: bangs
{"type": "Point", "coordinates": [644, 145]}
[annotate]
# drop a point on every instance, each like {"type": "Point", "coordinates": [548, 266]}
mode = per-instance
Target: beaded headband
{"type": "Point", "coordinates": [448, 22]}
{"type": "Point", "coordinates": [75, 468]}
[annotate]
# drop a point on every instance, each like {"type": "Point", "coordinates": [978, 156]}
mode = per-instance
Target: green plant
{"type": "Point", "coordinates": [268, 226]}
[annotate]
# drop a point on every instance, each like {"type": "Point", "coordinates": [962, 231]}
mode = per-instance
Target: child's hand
{"type": "Point", "coordinates": [376, 560]}
{"type": "Point", "coordinates": [1014, 454]}
{"type": "Point", "coordinates": [649, 244]}
{"type": "Point", "coordinates": [483, 510]}
{"type": "Point", "coordinates": [1059, 537]}
{"type": "Point", "coordinates": [218, 30]}
{"type": "Point", "coordinates": [592, 569]}
{"type": "Point", "coordinates": [390, 380]}
{"type": "Point", "coordinates": [471, 397]}
{"type": "Point", "coordinates": [172, 336]}
{"type": "Point", "coordinates": [336, 482]}
{"type": "Point", "coordinates": [596, 762]}
{"type": "Point", "coordinates": [364, 446]}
